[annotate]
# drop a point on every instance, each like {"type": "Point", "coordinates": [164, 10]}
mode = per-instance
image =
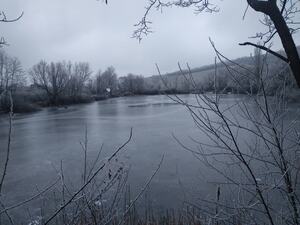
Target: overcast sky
{"type": "Point", "coordinates": [90, 31]}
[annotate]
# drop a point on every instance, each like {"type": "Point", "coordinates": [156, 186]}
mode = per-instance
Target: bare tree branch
{"type": "Point", "coordinates": [267, 50]}
{"type": "Point", "coordinates": [8, 149]}
{"type": "Point", "coordinates": [89, 180]}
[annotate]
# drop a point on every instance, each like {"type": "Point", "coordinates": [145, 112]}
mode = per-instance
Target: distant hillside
{"type": "Point", "coordinates": [204, 75]}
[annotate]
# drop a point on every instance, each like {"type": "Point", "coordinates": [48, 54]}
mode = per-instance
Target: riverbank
{"type": "Point", "coordinates": [28, 102]}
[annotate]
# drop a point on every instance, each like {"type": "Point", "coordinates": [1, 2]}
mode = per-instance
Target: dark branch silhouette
{"type": "Point", "coordinates": [266, 49]}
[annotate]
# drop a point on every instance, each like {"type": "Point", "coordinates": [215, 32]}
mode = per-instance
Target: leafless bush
{"type": "Point", "coordinates": [101, 197]}
{"type": "Point", "coordinates": [253, 145]}
{"type": "Point", "coordinates": [95, 200]}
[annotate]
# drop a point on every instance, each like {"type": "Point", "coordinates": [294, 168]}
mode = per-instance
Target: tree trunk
{"type": "Point", "coordinates": [271, 9]}
{"type": "Point", "coordinates": [287, 42]}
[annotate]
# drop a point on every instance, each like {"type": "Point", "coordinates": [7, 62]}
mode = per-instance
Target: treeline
{"type": "Point", "coordinates": [62, 83]}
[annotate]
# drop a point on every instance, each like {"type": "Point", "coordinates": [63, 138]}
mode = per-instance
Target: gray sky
{"type": "Point", "coordinates": [90, 31]}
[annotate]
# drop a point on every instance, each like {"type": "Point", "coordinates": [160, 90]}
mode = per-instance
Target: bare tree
{"type": "Point", "coordinates": [280, 20]}
{"type": "Point", "coordinates": [106, 82]}
{"type": "Point", "coordinates": [3, 61]}
{"type": "Point", "coordinates": [131, 84]}
{"type": "Point", "coordinates": [52, 78]}
{"type": "Point", "coordinates": [16, 76]}
{"type": "Point", "coordinates": [11, 72]}
{"type": "Point", "coordinates": [253, 145]}
{"type": "Point", "coordinates": [12, 77]}
{"type": "Point", "coordinates": [80, 73]}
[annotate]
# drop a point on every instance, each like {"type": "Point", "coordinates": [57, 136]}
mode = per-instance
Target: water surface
{"type": "Point", "coordinates": [42, 140]}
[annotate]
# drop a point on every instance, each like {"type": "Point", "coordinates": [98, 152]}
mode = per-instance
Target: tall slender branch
{"type": "Point", "coordinates": [89, 180]}
{"type": "Point", "coordinates": [8, 149]}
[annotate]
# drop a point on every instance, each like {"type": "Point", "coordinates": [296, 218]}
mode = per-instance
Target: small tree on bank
{"type": "Point", "coordinates": [80, 73]}
{"type": "Point", "coordinates": [52, 78]}
{"type": "Point", "coordinates": [107, 82]}
{"type": "Point", "coordinates": [131, 84]}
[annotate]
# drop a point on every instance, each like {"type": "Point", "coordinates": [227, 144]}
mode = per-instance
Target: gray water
{"type": "Point", "coordinates": [42, 140]}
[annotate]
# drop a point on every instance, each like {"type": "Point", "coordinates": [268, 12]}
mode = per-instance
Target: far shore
{"type": "Point", "coordinates": [28, 107]}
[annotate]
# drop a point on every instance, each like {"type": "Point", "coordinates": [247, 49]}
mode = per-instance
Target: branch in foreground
{"type": "Point", "coordinates": [8, 142]}
{"type": "Point", "coordinates": [89, 180]}
{"type": "Point", "coordinates": [5, 20]}
{"type": "Point", "coordinates": [143, 189]}
{"type": "Point", "coordinates": [31, 198]}
{"type": "Point", "coordinates": [267, 50]}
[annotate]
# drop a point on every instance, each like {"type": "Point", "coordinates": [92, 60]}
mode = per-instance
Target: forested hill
{"type": "Point", "coordinates": [204, 75]}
